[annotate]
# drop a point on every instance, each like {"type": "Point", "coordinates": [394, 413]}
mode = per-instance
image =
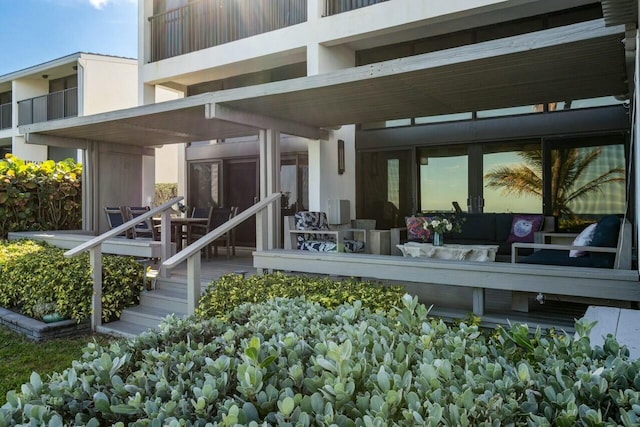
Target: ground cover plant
{"type": "Point", "coordinates": [232, 290]}
{"type": "Point", "coordinates": [293, 362]}
{"type": "Point", "coordinates": [34, 275]}
{"type": "Point", "coordinates": [19, 357]}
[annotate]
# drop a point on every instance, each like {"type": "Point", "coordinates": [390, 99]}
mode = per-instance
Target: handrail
{"type": "Point", "coordinates": [121, 228]}
{"type": "Point", "coordinates": [205, 240]}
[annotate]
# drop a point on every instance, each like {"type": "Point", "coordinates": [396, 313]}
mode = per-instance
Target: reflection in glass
{"type": "Point", "coordinates": [443, 178]}
{"type": "Point", "coordinates": [204, 184]}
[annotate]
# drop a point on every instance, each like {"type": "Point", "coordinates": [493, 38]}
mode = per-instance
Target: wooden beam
{"type": "Point", "coordinates": [56, 141]}
{"type": "Point", "coordinates": [222, 112]}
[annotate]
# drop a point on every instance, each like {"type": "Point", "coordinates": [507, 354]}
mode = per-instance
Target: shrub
{"type": "Point", "coordinates": [33, 274]}
{"type": "Point", "coordinates": [292, 362]}
{"type": "Point", "coordinates": [232, 290]}
{"type": "Point", "coordinates": [39, 196]}
{"type": "Point", "coordinates": [165, 192]}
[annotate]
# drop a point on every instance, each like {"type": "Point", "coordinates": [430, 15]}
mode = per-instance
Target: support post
{"type": "Point", "coordinates": [193, 283]}
{"type": "Point", "coordinates": [95, 259]}
{"type": "Point", "coordinates": [478, 301]}
{"type": "Point", "coordinates": [269, 184]}
{"type": "Point", "coordinates": [165, 240]}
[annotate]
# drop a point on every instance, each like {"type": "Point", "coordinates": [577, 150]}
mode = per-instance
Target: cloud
{"type": "Point", "coordinates": [100, 4]}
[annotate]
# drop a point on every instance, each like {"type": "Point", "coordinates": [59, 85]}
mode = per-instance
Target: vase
{"type": "Point", "coordinates": [438, 239]}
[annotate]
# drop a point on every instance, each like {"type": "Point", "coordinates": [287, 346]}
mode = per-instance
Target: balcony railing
{"type": "Point", "coordinates": [5, 116]}
{"type": "Point", "coordinates": [56, 105]}
{"type": "Point", "coordinates": [205, 23]}
{"type": "Point", "coordinates": [333, 7]}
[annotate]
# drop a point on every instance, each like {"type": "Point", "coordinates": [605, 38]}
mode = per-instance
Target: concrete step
{"type": "Point", "coordinates": [123, 329]}
{"type": "Point", "coordinates": [149, 317]}
{"type": "Point", "coordinates": [172, 299]}
{"type": "Point", "coordinates": [172, 283]}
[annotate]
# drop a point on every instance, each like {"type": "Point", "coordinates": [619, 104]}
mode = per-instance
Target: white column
{"type": "Point", "coordinates": [269, 140]}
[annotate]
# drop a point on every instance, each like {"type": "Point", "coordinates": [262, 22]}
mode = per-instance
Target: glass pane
{"type": "Point", "coordinates": [587, 183]}
{"type": "Point", "coordinates": [511, 111]}
{"type": "Point", "coordinates": [288, 183]}
{"type": "Point", "coordinates": [443, 178]}
{"type": "Point", "coordinates": [444, 118]}
{"type": "Point", "coordinates": [512, 178]}
{"type": "Point", "coordinates": [204, 184]}
{"type": "Point", "coordinates": [584, 103]}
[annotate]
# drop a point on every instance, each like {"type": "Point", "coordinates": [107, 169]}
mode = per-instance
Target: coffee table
{"type": "Point", "coordinates": [454, 252]}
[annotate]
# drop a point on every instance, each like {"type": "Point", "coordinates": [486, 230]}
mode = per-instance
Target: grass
{"type": "Point", "coordinates": [19, 357]}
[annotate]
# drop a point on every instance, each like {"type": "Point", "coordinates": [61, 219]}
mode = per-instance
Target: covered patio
{"type": "Point", "coordinates": [577, 61]}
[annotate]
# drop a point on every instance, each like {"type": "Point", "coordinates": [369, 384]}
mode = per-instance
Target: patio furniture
{"type": "Point", "coordinates": [610, 247]}
{"type": "Point", "coordinates": [144, 229]}
{"type": "Point", "coordinates": [479, 253]}
{"type": "Point", "coordinates": [310, 232]}
{"type": "Point", "coordinates": [217, 217]}
{"type": "Point", "coordinates": [115, 218]}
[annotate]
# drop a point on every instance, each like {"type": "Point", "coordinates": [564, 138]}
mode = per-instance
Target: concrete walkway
{"type": "Point", "coordinates": [622, 323]}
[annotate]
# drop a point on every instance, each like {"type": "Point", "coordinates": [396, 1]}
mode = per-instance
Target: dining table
{"type": "Point", "coordinates": [181, 228]}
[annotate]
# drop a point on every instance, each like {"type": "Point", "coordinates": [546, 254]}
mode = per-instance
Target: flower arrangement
{"type": "Point", "coordinates": [438, 224]}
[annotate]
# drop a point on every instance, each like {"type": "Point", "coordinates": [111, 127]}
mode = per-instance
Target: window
{"type": "Point", "coordinates": [443, 177]}
{"type": "Point", "coordinates": [204, 184]}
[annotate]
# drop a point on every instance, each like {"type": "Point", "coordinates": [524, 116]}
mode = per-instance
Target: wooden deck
{"type": "Point", "coordinates": [450, 287]}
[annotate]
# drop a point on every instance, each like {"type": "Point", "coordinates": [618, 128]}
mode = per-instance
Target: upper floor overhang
{"type": "Point", "coordinates": [579, 61]}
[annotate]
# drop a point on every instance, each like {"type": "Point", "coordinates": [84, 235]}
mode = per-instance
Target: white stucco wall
{"type": "Point", "coordinates": [107, 83]}
{"type": "Point", "coordinates": [25, 88]}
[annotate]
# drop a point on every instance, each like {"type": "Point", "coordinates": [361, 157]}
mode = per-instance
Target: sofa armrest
{"type": "Point", "coordinates": [517, 245]}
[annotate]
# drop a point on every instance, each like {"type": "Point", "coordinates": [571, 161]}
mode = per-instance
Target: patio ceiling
{"type": "Point", "coordinates": [579, 61]}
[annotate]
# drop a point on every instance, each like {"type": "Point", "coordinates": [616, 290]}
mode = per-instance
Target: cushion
{"type": "Point", "coordinates": [415, 228]}
{"type": "Point", "coordinates": [582, 239]}
{"type": "Point", "coordinates": [558, 257]}
{"type": "Point", "coordinates": [350, 246]}
{"type": "Point", "coordinates": [523, 228]}
{"type": "Point", "coordinates": [605, 235]}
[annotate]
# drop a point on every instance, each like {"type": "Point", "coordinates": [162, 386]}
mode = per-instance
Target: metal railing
{"type": "Point", "coordinates": [94, 247]}
{"type": "Point", "coordinates": [192, 252]}
{"type": "Point", "coordinates": [333, 7]}
{"type": "Point", "coordinates": [52, 106]}
{"type": "Point", "coordinates": [205, 23]}
{"type": "Point", "coordinates": [5, 116]}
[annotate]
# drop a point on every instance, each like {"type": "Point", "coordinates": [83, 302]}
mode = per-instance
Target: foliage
{"type": "Point", "coordinates": [20, 357]}
{"type": "Point", "coordinates": [292, 362]}
{"type": "Point", "coordinates": [34, 273]}
{"type": "Point", "coordinates": [165, 192]}
{"type": "Point", "coordinates": [233, 290]}
{"type": "Point", "coordinates": [45, 196]}
{"type": "Point", "coordinates": [568, 166]}
{"type": "Point", "coordinates": [442, 224]}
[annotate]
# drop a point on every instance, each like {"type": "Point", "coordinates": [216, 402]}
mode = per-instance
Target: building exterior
{"type": "Point", "coordinates": [75, 85]}
{"type": "Point", "coordinates": [402, 164]}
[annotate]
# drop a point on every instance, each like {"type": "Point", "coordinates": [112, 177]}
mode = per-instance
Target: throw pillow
{"type": "Point", "coordinates": [582, 239]}
{"type": "Point", "coordinates": [415, 229]}
{"type": "Point", "coordinates": [523, 228]}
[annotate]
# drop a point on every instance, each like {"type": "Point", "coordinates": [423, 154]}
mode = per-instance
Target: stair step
{"type": "Point", "coordinates": [167, 299]}
{"type": "Point", "coordinates": [149, 317]}
{"type": "Point", "coordinates": [121, 328]}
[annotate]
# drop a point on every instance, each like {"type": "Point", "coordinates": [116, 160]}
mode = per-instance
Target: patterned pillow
{"type": "Point", "coordinates": [523, 228]}
{"type": "Point", "coordinates": [415, 229]}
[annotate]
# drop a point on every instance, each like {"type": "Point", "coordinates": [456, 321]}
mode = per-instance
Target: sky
{"type": "Point", "coordinates": [38, 31]}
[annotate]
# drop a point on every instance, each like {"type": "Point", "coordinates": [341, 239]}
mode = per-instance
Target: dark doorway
{"type": "Point", "coordinates": [241, 190]}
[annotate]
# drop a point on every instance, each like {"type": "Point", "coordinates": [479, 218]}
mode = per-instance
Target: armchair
{"type": "Point", "coordinates": [310, 231]}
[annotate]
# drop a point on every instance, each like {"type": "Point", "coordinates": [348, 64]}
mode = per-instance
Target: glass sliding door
{"type": "Point", "coordinates": [385, 187]}
{"type": "Point", "coordinates": [204, 184]}
{"type": "Point", "coordinates": [512, 177]}
{"type": "Point", "coordinates": [587, 179]}
{"type": "Point", "coordinates": [443, 178]}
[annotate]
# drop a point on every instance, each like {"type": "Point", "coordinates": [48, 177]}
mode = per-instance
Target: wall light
{"type": "Point", "coordinates": [340, 157]}
{"type": "Point", "coordinates": [45, 76]}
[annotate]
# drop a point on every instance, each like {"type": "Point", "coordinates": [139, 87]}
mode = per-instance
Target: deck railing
{"type": "Point", "coordinates": [5, 116]}
{"type": "Point", "coordinates": [52, 106]}
{"type": "Point", "coordinates": [333, 7]}
{"type": "Point", "coordinates": [94, 247]}
{"type": "Point", "coordinates": [205, 23]}
{"type": "Point", "coordinates": [192, 252]}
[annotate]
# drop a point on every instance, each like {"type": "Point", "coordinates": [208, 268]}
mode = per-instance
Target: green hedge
{"type": "Point", "coordinates": [39, 196]}
{"type": "Point", "coordinates": [33, 275]}
{"type": "Point", "coordinates": [232, 290]}
{"type": "Point", "coordinates": [292, 362]}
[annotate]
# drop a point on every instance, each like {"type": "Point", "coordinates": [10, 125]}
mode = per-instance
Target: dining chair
{"type": "Point", "coordinates": [115, 218]}
{"type": "Point", "coordinates": [218, 216]}
{"type": "Point", "coordinates": [145, 228]}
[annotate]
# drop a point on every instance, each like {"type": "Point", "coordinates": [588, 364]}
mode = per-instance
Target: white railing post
{"type": "Point", "coordinates": [193, 283]}
{"type": "Point", "coordinates": [95, 259]}
{"type": "Point", "coordinates": [165, 240]}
